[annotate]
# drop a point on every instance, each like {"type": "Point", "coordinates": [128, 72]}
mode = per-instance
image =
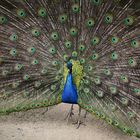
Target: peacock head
{"type": "Point", "coordinates": [69, 66]}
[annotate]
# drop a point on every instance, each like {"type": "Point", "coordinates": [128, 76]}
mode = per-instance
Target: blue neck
{"type": "Point", "coordinates": [69, 94]}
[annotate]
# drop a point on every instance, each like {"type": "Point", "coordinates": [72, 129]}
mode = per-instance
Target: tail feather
{"type": "Point", "coordinates": [100, 37]}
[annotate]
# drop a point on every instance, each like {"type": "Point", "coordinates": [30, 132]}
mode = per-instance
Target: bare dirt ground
{"type": "Point", "coordinates": [37, 125]}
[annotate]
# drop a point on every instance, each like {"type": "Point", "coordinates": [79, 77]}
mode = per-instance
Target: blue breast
{"type": "Point", "coordinates": [69, 94]}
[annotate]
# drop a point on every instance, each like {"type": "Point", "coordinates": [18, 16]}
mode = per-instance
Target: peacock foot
{"type": "Point", "coordinates": [79, 123]}
{"type": "Point", "coordinates": [70, 114]}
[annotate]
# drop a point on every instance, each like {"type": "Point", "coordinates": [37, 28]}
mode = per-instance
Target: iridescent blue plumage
{"type": "Point", "coordinates": [69, 94]}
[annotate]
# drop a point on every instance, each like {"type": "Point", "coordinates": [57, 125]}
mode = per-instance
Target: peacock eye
{"type": "Point", "coordinates": [15, 85]}
{"type": "Point", "coordinates": [90, 22]}
{"type": "Point", "coordinates": [44, 71]}
{"type": "Point", "coordinates": [55, 36]}
{"type": "Point", "coordinates": [131, 61]}
{"type": "Point", "coordinates": [100, 93]}
{"type": "Point", "coordinates": [13, 52]}
{"type": "Point", "coordinates": [31, 50]}
{"type": "Point", "coordinates": [129, 20]}
{"type": "Point", "coordinates": [124, 101]}
{"type": "Point", "coordinates": [75, 8]}
{"type": "Point", "coordinates": [81, 47]}
{"type": "Point", "coordinates": [114, 56]}
{"type": "Point", "coordinates": [116, 123]}
{"type": "Point", "coordinates": [74, 54]}
{"type": "Point", "coordinates": [25, 94]}
{"type": "Point", "coordinates": [73, 31]}
{"type": "Point", "coordinates": [112, 106]}
{"type": "Point", "coordinates": [90, 68]}
{"type": "Point", "coordinates": [106, 72]}
{"type": "Point", "coordinates": [21, 13]}
{"type": "Point", "coordinates": [114, 40]}
{"type": "Point", "coordinates": [35, 32]}
{"type": "Point", "coordinates": [109, 120]}
{"type": "Point", "coordinates": [3, 20]}
{"type": "Point", "coordinates": [55, 63]}
{"type": "Point", "coordinates": [18, 67]}
{"type": "Point", "coordinates": [26, 77]}
{"type": "Point", "coordinates": [95, 56]}
{"type": "Point", "coordinates": [124, 79]}
{"type": "Point", "coordinates": [113, 90]}
{"type": "Point", "coordinates": [136, 92]}
{"type": "Point", "coordinates": [42, 12]}
{"type": "Point", "coordinates": [66, 58]}
{"type": "Point", "coordinates": [68, 44]}
{"type": "Point", "coordinates": [82, 61]}
{"type": "Point", "coordinates": [37, 84]}
{"type": "Point", "coordinates": [62, 18]}
{"type": "Point", "coordinates": [134, 133]}
{"type": "Point", "coordinates": [14, 37]}
{"type": "Point", "coordinates": [96, 2]}
{"type": "Point", "coordinates": [35, 62]}
{"type": "Point", "coordinates": [52, 50]}
{"type": "Point", "coordinates": [135, 43]}
{"type": "Point", "coordinates": [95, 41]}
{"type": "Point", "coordinates": [86, 90]}
{"type": "Point", "coordinates": [97, 80]}
{"type": "Point", "coordinates": [53, 87]}
{"type": "Point", "coordinates": [108, 18]}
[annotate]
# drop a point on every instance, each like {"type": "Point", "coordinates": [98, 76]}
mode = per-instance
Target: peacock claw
{"type": "Point", "coordinates": [70, 114]}
{"type": "Point", "coordinates": [79, 123]}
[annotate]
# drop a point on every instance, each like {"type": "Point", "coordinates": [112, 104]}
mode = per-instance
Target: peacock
{"type": "Point", "coordinates": [84, 52]}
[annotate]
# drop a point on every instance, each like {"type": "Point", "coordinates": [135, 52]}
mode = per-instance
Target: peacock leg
{"type": "Point", "coordinates": [85, 115]}
{"type": "Point", "coordinates": [70, 114]}
{"type": "Point", "coordinates": [79, 122]}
